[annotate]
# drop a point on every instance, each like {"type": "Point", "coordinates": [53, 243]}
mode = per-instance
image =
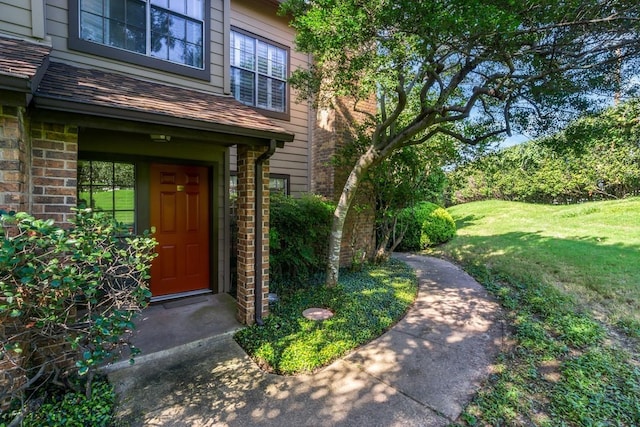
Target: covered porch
{"type": "Point", "coordinates": [57, 117]}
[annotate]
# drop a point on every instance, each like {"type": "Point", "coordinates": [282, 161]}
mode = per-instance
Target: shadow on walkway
{"type": "Point", "coordinates": [422, 372]}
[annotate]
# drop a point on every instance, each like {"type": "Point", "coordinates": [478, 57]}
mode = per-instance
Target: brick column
{"type": "Point", "coordinates": [248, 232]}
{"type": "Point", "coordinates": [14, 160]}
{"type": "Point", "coordinates": [264, 226]}
{"type": "Point", "coordinates": [54, 170]}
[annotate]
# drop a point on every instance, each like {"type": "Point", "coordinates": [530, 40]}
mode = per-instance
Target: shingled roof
{"type": "Point", "coordinates": [22, 63]}
{"type": "Point", "coordinates": [82, 90]}
{"type": "Point", "coordinates": [25, 67]}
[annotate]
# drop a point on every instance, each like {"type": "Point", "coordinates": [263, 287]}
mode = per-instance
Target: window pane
{"type": "Point", "coordinates": [91, 27]}
{"type": "Point", "coordinates": [84, 172]}
{"type": "Point", "coordinates": [195, 9]}
{"type": "Point", "coordinates": [159, 31]}
{"type": "Point", "coordinates": [124, 198]}
{"type": "Point", "coordinates": [92, 6]}
{"type": "Point", "coordinates": [136, 14]}
{"type": "Point", "coordinates": [194, 32]}
{"type": "Point", "coordinates": [243, 86]}
{"type": "Point", "coordinates": [176, 50]}
{"type": "Point", "coordinates": [116, 10]}
{"type": "Point", "coordinates": [135, 39]}
{"type": "Point", "coordinates": [193, 55]}
{"type": "Point", "coordinates": [178, 6]}
{"type": "Point", "coordinates": [271, 94]}
{"type": "Point", "coordinates": [242, 51]}
{"type": "Point", "coordinates": [263, 58]}
{"type": "Point", "coordinates": [116, 34]}
{"type": "Point", "coordinates": [277, 61]}
{"type": "Point", "coordinates": [84, 197]}
{"type": "Point", "coordinates": [102, 173]}
{"type": "Point", "coordinates": [161, 3]}
{"type": "Point", "coordinates": [177, 27]}
{"type": "Point", "coordinates": [103, 199]}
{"type": "Point", "coordinates": [125, 217]}
{"type": "Point", "coordinates": [124, 174]}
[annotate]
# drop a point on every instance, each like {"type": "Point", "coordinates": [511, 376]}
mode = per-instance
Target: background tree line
{"type": "Point", "coordinates": [596, 157]}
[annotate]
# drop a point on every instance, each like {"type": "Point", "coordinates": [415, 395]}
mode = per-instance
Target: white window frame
{"type": "Point", "coordinates": [272, 47]}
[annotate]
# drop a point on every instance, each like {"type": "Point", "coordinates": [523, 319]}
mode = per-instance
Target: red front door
{"type": "Point", "coordinates": [180, 217]}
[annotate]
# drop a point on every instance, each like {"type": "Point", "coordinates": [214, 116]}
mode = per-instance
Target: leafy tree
{"type": "Point", "coordinates": [408, 176]}
{"type": "Point", "coordinates": [474, 68]}
{"type": "Point", "coordinates": [595, 157]}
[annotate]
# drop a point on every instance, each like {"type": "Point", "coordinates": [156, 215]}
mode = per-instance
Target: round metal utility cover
{"type": "Point", "coordinates": [317, 313]}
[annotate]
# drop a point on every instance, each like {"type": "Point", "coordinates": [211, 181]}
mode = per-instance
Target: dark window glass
{"type": "Point", "coordinates": [175, 31]}
{"type": "Point", "coordinates": [258, 72]}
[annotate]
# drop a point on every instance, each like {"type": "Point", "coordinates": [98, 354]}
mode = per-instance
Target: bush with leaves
{"type": "Point", "coordinates": [596, 157]}
{"type": "Point", "coordinates": [68, 296]}
{"type": "Point", "coordinates": [426, 224]}
{"type": "Point", "coordinates": [298, 236]}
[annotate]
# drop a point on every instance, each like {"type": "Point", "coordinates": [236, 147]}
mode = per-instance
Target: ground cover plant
{"type": "Point", "coordinates": [365, 304]}
{"type": "Point", "coordinates": [569, 281]}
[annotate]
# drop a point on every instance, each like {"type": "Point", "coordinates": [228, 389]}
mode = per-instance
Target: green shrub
{"type": "Point", "coordinates": [73, 291]}
{"type": "Point", "coordinates": [76, 409]}
{"type": "Point", "coordinates": [426, 224]}
{"type": "Point", "coordinates": [298, 238]}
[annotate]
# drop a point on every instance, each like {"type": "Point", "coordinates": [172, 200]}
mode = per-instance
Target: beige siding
{"type": "Point", "coordinates": [15, 17]}
{"type": "Point", "coordinates": [294, 158]}
{"type": "Point", "coordinates": [57, 28]}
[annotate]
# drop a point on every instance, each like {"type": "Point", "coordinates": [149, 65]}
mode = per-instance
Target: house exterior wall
{"type": "Point", "coordinates": [14, 163]}
{"type": "Point", "coordinates": [334, 128]}
{"type": "Point", "coordinates": [294, 158]}
{"type": "Point", "coordinates": [54, 170]}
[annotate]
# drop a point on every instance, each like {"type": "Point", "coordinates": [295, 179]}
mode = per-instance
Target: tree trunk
{"type": "Point", "coordinates": [348, 194]}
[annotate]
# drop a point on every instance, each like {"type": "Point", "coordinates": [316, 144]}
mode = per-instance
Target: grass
{"type": "Point", "coordinates": [589, 251]}
{"type": "Point", "coordinates": [569, 280]}
{"type": "Point", "coordinates": [122, 200]}
{"type": "Point", "coordinates": [365, 304]}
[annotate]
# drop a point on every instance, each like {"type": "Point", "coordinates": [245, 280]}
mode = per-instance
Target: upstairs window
{"type": "Point", "coordinates": [169, 31]}
{"type": "Point", "coordinates": [259, 73]}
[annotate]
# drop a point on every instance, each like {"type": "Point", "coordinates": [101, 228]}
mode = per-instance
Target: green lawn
{"type": "Point", "coordinates": [122, 200]}
{"type": "Point", "coordinates": [591, 250]}
{"type": "Point", "coordinates": [568, 278]}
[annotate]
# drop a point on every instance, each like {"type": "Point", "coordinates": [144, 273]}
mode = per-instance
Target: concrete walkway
{"type": "Point", "coordinates": [420, 373]}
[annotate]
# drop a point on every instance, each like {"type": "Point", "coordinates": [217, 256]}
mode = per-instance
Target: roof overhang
{"type": "Point", "coordinates": [60, 91]}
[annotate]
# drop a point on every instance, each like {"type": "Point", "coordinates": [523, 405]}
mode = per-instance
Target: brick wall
{"type": "Point", "coordinates": [14, 152]}
{"type": "Point", "coordinates": [38, 163]}
{"type": "Point", "coordinates": [247, 235]}
{"type": "Point", "coordinates": [334, 128]}
{"type": "Point", "coordinates": [54, 170]}
{"type": "Point", "coordinates": [38, 166]}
